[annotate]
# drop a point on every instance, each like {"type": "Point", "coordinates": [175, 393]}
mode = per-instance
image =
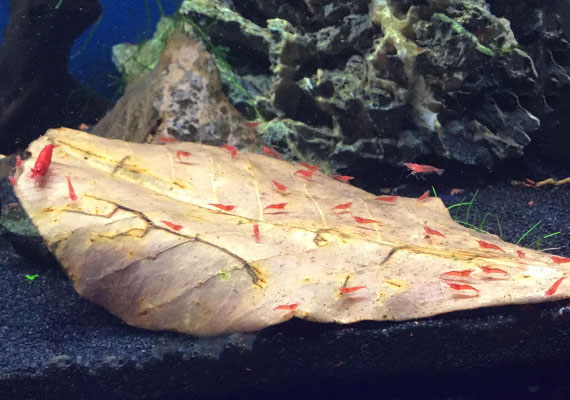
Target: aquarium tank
{"type": "Point", "coordinates": [268, 199]}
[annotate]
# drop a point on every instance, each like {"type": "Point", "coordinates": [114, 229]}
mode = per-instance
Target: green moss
{"type": "Point", "coordinates": [212, 12]}
{"type": "Point", "coordinates": [220, 53]}
{"type": "Point", "coordinates": [457, 27]}
{"type": "Point", "coordinates": [133, 60]}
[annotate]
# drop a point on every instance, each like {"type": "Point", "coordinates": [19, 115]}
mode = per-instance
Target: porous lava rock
{"type": "Point", "coordinates": [389, 80]}
{"type": "Point", "coordinates": [543, 30]}
{"type": "Point", "coordinates": [180, 98]}
{"type": "Point", "coordinates": [385, 81]}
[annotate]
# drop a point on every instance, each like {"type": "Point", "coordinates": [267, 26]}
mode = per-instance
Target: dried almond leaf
{"type": "Point", "coordinates": [144, 241]}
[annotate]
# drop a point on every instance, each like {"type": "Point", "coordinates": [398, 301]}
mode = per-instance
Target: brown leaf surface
{"type": "Point", "coordinates": [211, 276]}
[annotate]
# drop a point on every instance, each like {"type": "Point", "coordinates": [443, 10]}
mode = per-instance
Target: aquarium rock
{"type": "Point", "coordinates": [180, 98]}
{"type": "Point", "coordinates": [390, 81]}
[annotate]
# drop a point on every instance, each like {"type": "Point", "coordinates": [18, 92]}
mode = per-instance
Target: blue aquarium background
{"type": "Point", "coordinates": [121, 21]}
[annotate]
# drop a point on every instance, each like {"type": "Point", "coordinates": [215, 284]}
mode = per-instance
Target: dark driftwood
{"type": "Point", "coordinates": [36, 90]}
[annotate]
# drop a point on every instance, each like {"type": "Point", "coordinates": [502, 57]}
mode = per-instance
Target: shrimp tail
{"type": "Point", "coordinates": [440, 171]}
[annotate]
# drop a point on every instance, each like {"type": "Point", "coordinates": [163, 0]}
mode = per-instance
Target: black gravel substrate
{"type": "Point", "coordinates": [55, 345]}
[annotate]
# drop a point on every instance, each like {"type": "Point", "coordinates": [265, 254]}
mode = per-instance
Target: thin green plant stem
{"type": "Point", "coordinates": [159, 5]}
{"type": "Point", "coordinates": [475, 228]}
{"type": "Point", "coordinates": [147, 12]}
{"type": "Point", "coordinates": [483, 220]}
{"type": "Point", "coordinates": [529, 231]}
{"type": "Point", "coordinates": [552, 234]}
{"type": "Point", "coordinates": [59, 3]}
{"type": "Point", "coordinates": [87, 39]}
{"type": "Point", "coordinates": [470, 205]}
{"type": "Point", "coordinates": [224, 65]}
{"type": "Point", "coordinates": [500, 229]}
{"type": "Point", "coordinates": [538, 242]}
{"type": "Point", "coordinates": [458, 205]}
{"type": "Point", "coordinates": [434, 193]}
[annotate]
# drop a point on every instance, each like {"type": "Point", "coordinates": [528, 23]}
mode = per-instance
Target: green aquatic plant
{"type": "Point", "coordinates": [458, 205]}
{"type": "Point", "coordinates": [120, 82]}
{"type": "Point", "coordinates": [480, 228]}
{"type": "Point", "coordinates": [224, 274]}
{"type": "Point", "coordinates": [136, 59]}
{"type": "Point", "coordinates": [457, 27]}
{"type": "Point", "coordinates": [31, 277]}
{"type": "Point", "coordinates": [529, 231]}
{"type": "Point", "coordinates": [59, 3]}
{"type": "Point", "coordinates": [88, 38]}
{"type": "Point", "coordinates": [537, 244]}
{"type": "Point", "coordinates": [148, 14]}
{"type": "Point", "coordinates": [499, 228]}
{"type": "Point", "coordinates": [483, 220]}
{"type": "Point", "coordinates": [220, 53]}
{"type": "Point", "coordinates": [160, 8]}
{"type": "Point", "coordinates": [460, 29]}
{"type": "Point", "coordinates": [469, 204]}
{"type": "Point", "coordinates": [148, 20]}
